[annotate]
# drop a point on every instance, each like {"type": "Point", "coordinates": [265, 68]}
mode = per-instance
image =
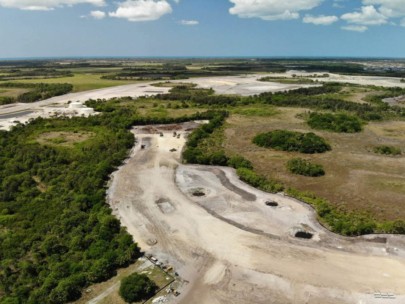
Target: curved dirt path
{"type": "Point", "coordinates": [234, 250]}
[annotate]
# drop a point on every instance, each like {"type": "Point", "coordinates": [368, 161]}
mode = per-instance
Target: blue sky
{"type": "Point", "coordinates": [52, 28]}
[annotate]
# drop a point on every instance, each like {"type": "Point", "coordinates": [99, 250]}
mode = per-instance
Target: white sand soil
{"type": "Point", "coordinates": [245, 85]}
{"type": "Point", "coordinates": [231, 247]}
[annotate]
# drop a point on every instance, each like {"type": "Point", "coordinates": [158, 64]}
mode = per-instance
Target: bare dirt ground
{"type": "Point", "coordinates": [221, 237]}
{"type": "Point", "coordinates": [396, 101]}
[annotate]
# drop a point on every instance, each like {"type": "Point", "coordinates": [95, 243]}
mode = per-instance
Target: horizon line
{"type": "Point", "coordinates": [38, 58]}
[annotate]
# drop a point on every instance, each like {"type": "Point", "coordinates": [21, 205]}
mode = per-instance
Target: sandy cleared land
{"type": "Point", "coordinates": [361, 80]}
{"type": "Point", "coordinates": [365, 80]}
{"type": "Point", "coordinates": [245, 85]}
{"type": "Point", "coordinates": [231, 247]}
{"type": "Point", "coordinates": [22, 112]}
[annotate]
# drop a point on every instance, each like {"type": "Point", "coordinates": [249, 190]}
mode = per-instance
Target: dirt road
{"type": "Point", "coordinates": [220, 236]}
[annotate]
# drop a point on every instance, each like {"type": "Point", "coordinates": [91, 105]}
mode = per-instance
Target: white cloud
{"type": "Point", "coordinates": [271, 9]}
{"type": "Point", "coordinates": [355, 28]}
{"type": "Point", "coordinates": [377, 12]}
{"type": "Point", "coordinates": [45, 5]}
{"type": "Point", "coordinates": [189, 22]}
{"type": "Point", "coordinates": [367, 16]}
{"type": "Point", "coordinates": [320, 20]}
{"type": "Point", "coordinates": [141, 10]}
{"type": "Point", "coordinates": [389, 8]}
{"type": "Point", "coordinates": [97, 14]}
{"type": "Point", "coordinates": [338, 4]}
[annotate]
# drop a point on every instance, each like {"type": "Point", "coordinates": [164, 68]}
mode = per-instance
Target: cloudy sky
{"type": "Point", "coordinates": [43, 28]}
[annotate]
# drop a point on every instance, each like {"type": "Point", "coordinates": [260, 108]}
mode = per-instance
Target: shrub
{"type": "Point", "coordinates": [137, 287]}
{"type": "Point", "coordinates": [387, 150]}
{"type": "Point", "coordinates": [303, 167]}
{"type": "Point", "coordinates": [259, 181]}
{"type": "Point", "coordinates": [283, 140]}
{"type": "Point", "coordinates": [239, 162]}
{"type": "Point", "coordinates": [341, 123]}
{"type": "Point", "coordinates": [6, 100]}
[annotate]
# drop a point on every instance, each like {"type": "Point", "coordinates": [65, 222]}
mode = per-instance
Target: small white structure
{"type": "Point", "coordinates": [76, 105]}
{"type": "Point", "coordinates": [80, 109]}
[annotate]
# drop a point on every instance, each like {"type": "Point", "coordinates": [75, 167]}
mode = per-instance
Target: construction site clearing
{"type": "Point", "coordinates": [231, 243]}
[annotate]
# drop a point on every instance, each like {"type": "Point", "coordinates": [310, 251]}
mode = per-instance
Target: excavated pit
{"type": "Point", "coordinates": [198, 193]}
{"type": "Point", "coordinates": [303, 235]}
{"type": "Point", "coordinates": [271, 204]}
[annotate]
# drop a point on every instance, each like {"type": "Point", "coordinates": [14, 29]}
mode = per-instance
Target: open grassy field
{"type": "Point", "coordinates": [82, 81]}
{"type": "Point", "coordinates": [355, 177]}
{"type": "Point", "coordinates": [65, 139]}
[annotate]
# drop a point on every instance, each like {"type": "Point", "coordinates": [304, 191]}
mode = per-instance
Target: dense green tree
{"type": "Point", "coordinates": [137, 287]}
{"type": "Point", "coordinates": [101, 270]}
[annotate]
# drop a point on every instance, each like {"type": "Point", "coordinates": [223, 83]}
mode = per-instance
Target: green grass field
{"type": "Point", "coordinates": [82, 81]}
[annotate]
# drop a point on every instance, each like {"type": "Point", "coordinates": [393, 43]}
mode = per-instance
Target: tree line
{"type": "Point", "coordinates": [37, 91]}
{"type": "Point", "coordinates": [14, 74]}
